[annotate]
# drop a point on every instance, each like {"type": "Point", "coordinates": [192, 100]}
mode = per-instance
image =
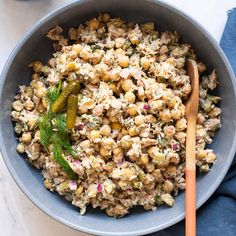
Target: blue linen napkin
{"type": "Point", "coordinates": [217, 217]}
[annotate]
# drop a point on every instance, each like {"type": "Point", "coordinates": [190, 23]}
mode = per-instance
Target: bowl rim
{"type": "Point", "coordinates": [21, 185]}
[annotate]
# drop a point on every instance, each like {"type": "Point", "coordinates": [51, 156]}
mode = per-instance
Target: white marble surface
{"type": "Point", "coordinates": [18, 216]}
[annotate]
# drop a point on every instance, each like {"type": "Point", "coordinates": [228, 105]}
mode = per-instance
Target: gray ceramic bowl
{"type": "Point", "coordinates": [35, 46]}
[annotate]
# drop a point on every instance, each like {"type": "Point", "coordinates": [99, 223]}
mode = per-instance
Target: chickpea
{"type": "Point", "coordinates": [85, 144]}
{"type": "Point", "coordinates": [126, 144]}
{"type": "Point", "coordinates": [151, 119]}
{"type": "Point", "coordinates": [180, 136]}
{"type": "Point", "coordinates": [144, 159]}
{"type": "Point", "coordinates": [29, 92]}
{"type": "Point", "coordinates": [176, 114]}
{"type": "Point", "coordinates": [127, 85]}
{"type": "Point", "coordinates": [104, 152]}
{"type": "Point", "coordinates": [116, 126]}
{"type": "Point", "coordinates": [123, 61]}
{"type": "Point", "coordinates": [148, 27]}
{"type": "Point", "coordinates": [40, 92]}
{"type": "Point", "coordinates": [201, 154]}
{"type": "Point", "coordinates": [129, 97]}
{"type": "Point", "coordinates": [35, 76]}
{"type": "Point", "coordinates": [83, 110]}
{"type": "Point", "coordinates": [114, 88]}
{"type": "Point", "coordinates": [171, 170]}
{"type": "Point", "coordinates": [29, 105]}
{"type": "Point", "coordinates": [181, 125]}
{"type": "Point", "coordinates": [105, 130]}
{"type": "Point", "coordinates": [94, 134]}
{"type": "Point", "coordinates": [118, 151]}
{"type": "Point", "coordinates": [152, 150]}
{"type": "Point", "coordinates": [113, 119]}
{"type": "Point", "coordinates": [163, 49]}
{"type": "Point", "coordinates": [135, 40]}
{"type": "Point", "coordinates": [165, 115]}
{"type": "Point", "coordinates": [156, 105]}
{"type": "Point", "coordinates": [168, 186]}
{"type": "Point", "coordinates": [94, 23]}
{"type": "Point", "coordinates": [124, 131]}
{"type": "Point", "coordinates": [132, 111]}
{"type": "Point", "coordinates": [26, 137]}
{"type": "Point", "coordinates": [133, 131]}
{"type": "Point", "coordinates": [85, 53]}
{"type": "Point", "coordinates": [108, 143]}
{"type": "Point", "coordinates": [139, 120]}
{"type": "Point", "coordinates": [169, 131]}
{"type": "Point", "coordinates": [106, 121]}
{"type": "Point", "coordinates": [77, 48]}
{"type": "Point", "coordinates": [211, 157]}
{"type": "Point", "coordinates": [37, 66]}
{"type": "Point", "coordinates": [106, 17]}
{"type": "Point", "coordinates": [48, 184]}
{"type": "Point", "coordinates": [110, 166]}
{"type": "Point", "coordinates": [162, 57]}
{"type": "Point", "coordinates": [20, 148]}
{"type": "Point", "coordinates": [145, 63]}
{"type": "Point", "coordinates": [201, 67]}
{"type": "Point", "coordinates": [17, 106]}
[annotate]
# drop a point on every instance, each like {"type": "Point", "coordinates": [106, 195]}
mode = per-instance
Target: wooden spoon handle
{"type": "Point", "coordinates": [190, 175]}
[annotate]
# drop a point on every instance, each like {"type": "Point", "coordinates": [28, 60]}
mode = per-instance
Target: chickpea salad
{"type": "Point", "coordinates": [104, 118]}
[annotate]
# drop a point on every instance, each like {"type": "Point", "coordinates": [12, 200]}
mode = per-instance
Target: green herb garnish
{"type": "Point", "coordinates": [58, 156]}
{"type": "Point", "coordinates": [53, 131]}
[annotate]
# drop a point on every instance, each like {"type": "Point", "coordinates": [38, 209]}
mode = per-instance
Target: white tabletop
{"type": "Point", "coordinates": [18, 215]}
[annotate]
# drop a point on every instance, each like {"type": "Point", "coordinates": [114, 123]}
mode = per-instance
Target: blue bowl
{"type": "Point", "coordinates": [35, 46]}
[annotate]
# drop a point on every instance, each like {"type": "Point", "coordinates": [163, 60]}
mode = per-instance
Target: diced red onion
{"type": "Point", "coordinates": [175, 147]}
{"type": "Point", "coordinates": [80, 126]}
{"type": "Point", "coordinates": [72, 185]}
{"type": "Point", "coordinates": [99, 187]}
{"type": "Point", "coordinates": [146, 107]}
{"type": "Point", "coordinates": [77, 163]}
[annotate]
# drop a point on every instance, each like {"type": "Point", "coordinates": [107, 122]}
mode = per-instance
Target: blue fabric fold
{"type": "Point", "coordinates": [217, 217]}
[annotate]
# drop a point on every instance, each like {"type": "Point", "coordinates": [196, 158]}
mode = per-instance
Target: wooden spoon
{"type": "Point", "coordinates": [190, 171]}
